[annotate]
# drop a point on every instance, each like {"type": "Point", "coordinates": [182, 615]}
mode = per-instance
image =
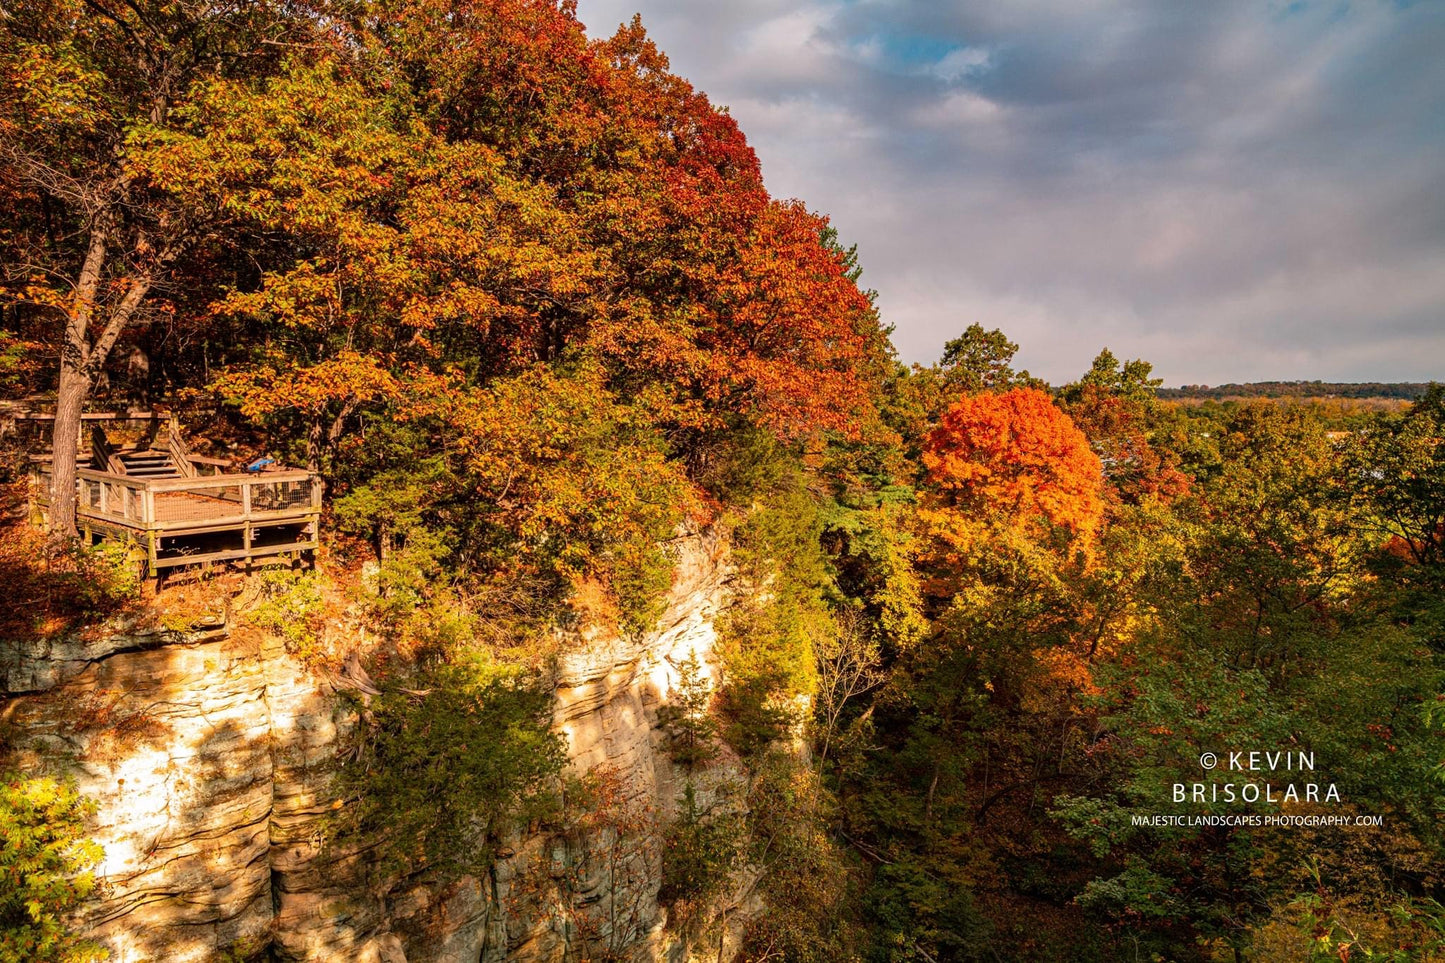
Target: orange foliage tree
{"type": "Point", "coordinates": [410, 187]}
{"type": "Point", "coordinates": [1016, 455]}
{"type": "Point", "coordinates": [1013, 513]}
{"type": "Point", "coordinates": [647, 237]}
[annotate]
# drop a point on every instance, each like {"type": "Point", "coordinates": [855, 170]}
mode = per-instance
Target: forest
{"type": "Point", "coordinates": [518, 295]}
{"type": "Point", "coordinates": [1409, 391]}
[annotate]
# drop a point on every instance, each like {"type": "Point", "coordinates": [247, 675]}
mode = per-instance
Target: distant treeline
{"type": "Point", "coordinates": [1299, 389]}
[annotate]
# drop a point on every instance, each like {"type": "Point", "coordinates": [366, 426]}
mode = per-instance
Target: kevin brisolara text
{"type": "Point", "coordinates": [1255, 792]}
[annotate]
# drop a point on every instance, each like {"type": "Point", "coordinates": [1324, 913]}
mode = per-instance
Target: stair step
{"type": "Point", "coordinates": [149, 464]}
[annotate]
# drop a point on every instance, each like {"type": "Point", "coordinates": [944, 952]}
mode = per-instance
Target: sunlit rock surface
{"type": "Point", "coordinates": [211, 753]}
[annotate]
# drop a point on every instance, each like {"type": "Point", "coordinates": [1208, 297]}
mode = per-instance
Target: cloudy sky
{"type": "Point", "coordinates": [1234, 191]}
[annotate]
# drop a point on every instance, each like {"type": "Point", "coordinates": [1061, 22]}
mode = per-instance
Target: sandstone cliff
{"type": "Point", "coordinates": [211, 754]}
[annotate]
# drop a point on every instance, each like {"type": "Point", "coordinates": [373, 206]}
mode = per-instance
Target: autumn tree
{"type": "Point", "coordinates": [1115, 406]}
{"type": "Point", "coordinates": [97, 239]}
{"type": "Point", "coordinates": [683, 275]}
{"type": "Point", "coordinates": [978, 719]}
{"type": "Point", "coordinates": [1015, 455]}
{"type": "Point", "coordinates": [915, 397]}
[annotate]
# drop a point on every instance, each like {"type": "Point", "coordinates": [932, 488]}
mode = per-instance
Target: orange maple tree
{"type": "Point", "coordinates": [1015, 454]}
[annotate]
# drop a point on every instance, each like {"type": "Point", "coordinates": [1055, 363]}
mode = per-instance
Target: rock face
{"type": "Point", "coordinates": [211, 754]}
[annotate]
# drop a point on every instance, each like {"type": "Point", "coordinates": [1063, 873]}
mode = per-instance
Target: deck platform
{"type": "Point", "coordinates": [189, 520]}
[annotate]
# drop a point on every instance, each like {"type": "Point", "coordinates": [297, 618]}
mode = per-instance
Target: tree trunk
{"type": "Point", "coordinates": [314, 444]}
{"type": "Point", "coordinates": [65, 446]}
{"type": "Point", "coordinates": [84, 350]}
{"type": "Point", "coordinates": [75, 378]}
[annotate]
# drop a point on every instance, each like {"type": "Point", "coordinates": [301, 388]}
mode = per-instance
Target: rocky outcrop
{"type": "Point", "coordinates": [211, 752]}
{"type": "Point", "coordinates": [169, 733]}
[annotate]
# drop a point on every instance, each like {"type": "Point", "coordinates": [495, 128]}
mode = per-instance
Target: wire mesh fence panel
{"type": "Point", "coordinates": [40, 485]}
{"type": "Point", "coordinates": [280, 495]}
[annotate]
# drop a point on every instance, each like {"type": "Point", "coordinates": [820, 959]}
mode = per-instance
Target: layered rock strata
{"type": "Point", "coordinates": [211, 754]}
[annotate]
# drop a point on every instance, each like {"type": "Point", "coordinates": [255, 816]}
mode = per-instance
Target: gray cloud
{"type": "Point", "coordinates": [1231, 190]}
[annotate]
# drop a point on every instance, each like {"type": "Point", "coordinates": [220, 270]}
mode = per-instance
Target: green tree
{"type": "Point", "coordinates": [1398, 472]}
{"type": "Point", "coordinates": [699, 853]}
{"type": "Point", "coordinates": [980, 360]}
{"type": "Point", "coordinates": [687, 715]}
{"type": "Point", "coordinates": [45, 858]}
{"type": "Point", "coordinates": [449, 762]}
{"type": "Point", "coordinates": [1129, 380]}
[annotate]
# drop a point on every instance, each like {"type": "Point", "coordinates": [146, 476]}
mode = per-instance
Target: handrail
{"type": "Point", "coordinates": [226, 481]}
{"type": "Point", "coordinates": [109, 477]}
{"type": "Point", "coordinates": [100, 448]}
{"type": "Point", "coordinates": [195, 483]}
{"type": "Point", "coordinates": [132, 414]}
{"type": "Point", "coordinates": [180, 453]}
{"type": "Point", "coordinates": [198, 481]}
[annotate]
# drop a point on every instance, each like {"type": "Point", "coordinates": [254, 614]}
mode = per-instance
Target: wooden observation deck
{"type": "Point", "coordinates": [183, 509]}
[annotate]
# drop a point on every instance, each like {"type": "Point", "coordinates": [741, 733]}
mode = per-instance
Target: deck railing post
{"type": "Point", "coordinates": [246, 511]}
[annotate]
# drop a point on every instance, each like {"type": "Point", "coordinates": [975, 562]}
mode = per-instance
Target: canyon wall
{"type": "Point", "coordinates": [211, 754]}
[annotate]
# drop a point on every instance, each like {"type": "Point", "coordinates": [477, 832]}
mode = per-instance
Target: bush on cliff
{"type": "Point", "coordinates": [45, 859]}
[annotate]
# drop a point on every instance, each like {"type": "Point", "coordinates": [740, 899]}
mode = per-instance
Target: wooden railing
{"type": "Point", "coordinates": [179, 451]}
{"type": "Point", "coordinates": [186, 503]}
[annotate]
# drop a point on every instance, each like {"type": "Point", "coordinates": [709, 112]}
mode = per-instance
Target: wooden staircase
{"type": "Point", "coordinates": [174, 460]}
{"type": "Point", "coordinates": [147, 464]}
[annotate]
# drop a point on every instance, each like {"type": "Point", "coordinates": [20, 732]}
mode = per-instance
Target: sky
{"type": "Point", "coordinates": [1233, 191]}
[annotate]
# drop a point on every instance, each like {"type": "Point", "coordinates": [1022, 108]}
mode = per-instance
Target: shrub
{"type": "Point", "coordinates": [291, 607]}
{"type": "Point", "coordinates": [44, 862]}
{"type": "Point", "coordinates": [699, 854]}
{"type": "Point", "coordinates": [449, 761]}
{"type": "Point", "coordinates": [808, 889]}
{"type": "Point", "coordinates": [50, 591]}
